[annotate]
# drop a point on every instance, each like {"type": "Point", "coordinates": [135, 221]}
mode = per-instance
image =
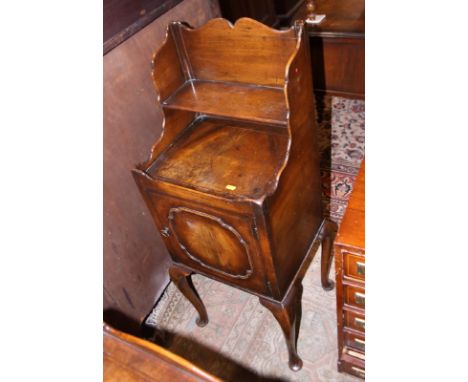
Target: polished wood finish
{"type": "Point", "coordinates": [258, 103]}
{"type": "Point", "coordinates": [337, 46]}
{"type": "Point", "coordinates": [327, 256]}
{"type": "Point", "coordinates": [245, 54]}
{"type": "Point", "coordinates": [338, 66]}
{"type": "Point", "coordinates": [131, 359]}
{"type": "Point", "coordinates": [354, 320]}
{"type": "Point", "coordinates": [344, 18]}
{"type": "Point", "coordinates": [135, 259]}
{"type": "Point", "coordinates": [234, 183]}
{"type": "Point", "coordinates": [189, 161]}
{"type": "Point", "coordinates": [354, 340]}
{"type": "Point", "coordinates": [295, 210]}
{"type": "Point", "coordinates": [354, 267]}
{"type": "Point", "coordinates": [181, 278]}
{"type": "Point", "coordinates": [288, 315]}
{"type": "Point", "coordinates": [353, 296]}
{"type": "Point", "coordinates": [350, 282]}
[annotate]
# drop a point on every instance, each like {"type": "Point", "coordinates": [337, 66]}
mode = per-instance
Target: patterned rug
{"type": "Point", "coordinates": [341, 144]}
{"type": "Point", "coordinates": [242, 341]}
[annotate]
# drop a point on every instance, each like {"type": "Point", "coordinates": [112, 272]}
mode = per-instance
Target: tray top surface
{"type": "Point", "coordinates": [224, 157]}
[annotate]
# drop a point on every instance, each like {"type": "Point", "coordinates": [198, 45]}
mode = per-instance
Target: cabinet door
{"type": "Point", "coordinates": [211, 240]}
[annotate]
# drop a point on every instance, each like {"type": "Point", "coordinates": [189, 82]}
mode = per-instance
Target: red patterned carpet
{"type": "Point", "coordinates": [341, 148]}
{"type": "Point", "coordinates": [242, 341]}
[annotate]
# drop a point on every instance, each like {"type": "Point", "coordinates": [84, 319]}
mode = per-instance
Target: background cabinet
{"type": "Point", "coordinates": [336, 44]}
{"type": "Point", "coordinates": [350, 283]}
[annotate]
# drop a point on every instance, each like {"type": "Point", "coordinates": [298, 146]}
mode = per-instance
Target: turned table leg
{"type": "Point", "coordinates": [288, 315]}
{"type": "Point", "coordinates": [327, 254]}
{"type": "Point", "coordinates": [181, 278]}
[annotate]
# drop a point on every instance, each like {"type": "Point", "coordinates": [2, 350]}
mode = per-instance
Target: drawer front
{"type": "Point", "coordinates": [355, 296]}
{"type": "Point", "coordinates": [357, 371]}
{"type": "Point", "coordinates": [354, 370]}
{"type": "Point", "coordinates": [355, 341]}
{"type": "Point", "coordinates": [353, 362]}
{"type": "Point", "coordinates": [354, 265]}
{"type": "Point", "coordinates": [354, 320]}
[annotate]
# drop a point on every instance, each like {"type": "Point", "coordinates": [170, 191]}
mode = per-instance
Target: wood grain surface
{"type": "Point", "coordinates": [131, 359]}
{"type": "Point", "coordinates": [256, 103]}
{"type": "Point", "coordinates": [353, 231]}
{"type": "Point", "coordinates": [224, 157]}
{"type": "Point", "coordinates": [235, 197]}
{"type": "Point", "coordinates": [350, 282]}
{"type": "Point", "coordinates": [266, 51]}
{"type": "Point", "coordinates": [344, 18]}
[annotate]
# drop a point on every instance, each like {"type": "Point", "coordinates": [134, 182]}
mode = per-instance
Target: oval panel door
{"type": "Point", "coordinates": [211, 242]}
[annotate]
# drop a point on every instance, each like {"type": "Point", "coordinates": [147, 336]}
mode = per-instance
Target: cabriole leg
{"type": "Point", "coordinates": [181, 278]}
{"type": "Point", "coordinates": [287, 313]}
{"type": "Point", "coordinates": [327, 254]}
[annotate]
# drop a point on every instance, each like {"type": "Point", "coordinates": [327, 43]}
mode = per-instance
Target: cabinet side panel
{"type": "Point", "coordinates": [167, 72]}
{"type": "Point", "coordinates": [295, 210]}
{"type": "Point", "coordinates": [175, 121]}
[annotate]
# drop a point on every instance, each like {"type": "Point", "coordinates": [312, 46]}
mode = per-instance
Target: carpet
{"type": "Point", "coordinates": [341, 146]}
{"type": "Point", "coordinates": [242, 341]}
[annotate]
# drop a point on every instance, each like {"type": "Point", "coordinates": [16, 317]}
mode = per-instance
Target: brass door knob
{"type": "Point", "coordinates": [165, 232]}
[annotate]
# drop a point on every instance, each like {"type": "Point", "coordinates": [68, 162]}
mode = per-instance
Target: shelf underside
{"type": "Point", "coordinates": [225, 157]}
{"type": "Point", "coordinates": [246, 102]}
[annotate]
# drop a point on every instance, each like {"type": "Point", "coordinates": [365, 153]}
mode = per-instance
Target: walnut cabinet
{"type": "Point", "coordinates": [233, 183]}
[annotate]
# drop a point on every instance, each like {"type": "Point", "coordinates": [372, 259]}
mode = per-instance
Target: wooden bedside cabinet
{"type": "Point", "coordinates": [350, 282]}
{"type": "Point", "coordinates": [233, 184]}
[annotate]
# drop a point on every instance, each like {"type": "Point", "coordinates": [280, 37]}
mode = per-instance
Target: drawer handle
{"type": "Point", "coordinates": [165, 232]}
{"type": "Point", "coordinates": [356, 354]}
{"type": "Point", "coordinates": [361, 268]}
{"type": "Point", "coordinates": [359, 322]}
{"type": "Point", "coordinates": [359, 371]}
{"type": "Point", "coordinates": [360, 344]}
{"type": "Point", "coordinates": [360, 298]}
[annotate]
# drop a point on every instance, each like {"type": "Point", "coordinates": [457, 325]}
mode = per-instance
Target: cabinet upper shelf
{"type": "Point", "coordinates": [232, 71]}
{"type": "Point", "coordinates": [261, 104]}
{"type": "Point", "coordinates": [234, 97]}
